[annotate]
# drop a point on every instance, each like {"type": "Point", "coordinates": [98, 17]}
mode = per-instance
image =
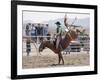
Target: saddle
{"type": "Point", "coordinates": [60, 46]}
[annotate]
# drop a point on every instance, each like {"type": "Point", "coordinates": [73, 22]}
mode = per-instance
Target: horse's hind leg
{"type": "Point", "coordinates": [59, 58]}
{"type": "Point", "coordinates": [62, 58]}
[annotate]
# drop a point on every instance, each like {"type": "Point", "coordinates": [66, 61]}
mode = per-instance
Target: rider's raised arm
{"type": "Point", "coordinates": [65, 22]}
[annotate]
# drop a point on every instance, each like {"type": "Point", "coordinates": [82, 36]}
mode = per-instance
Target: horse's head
{"type": "Point", "coordinates": [78, 31]}
{"type": "Point", "coordinates": [41, 47]}
{"type": "Point", "coordinates": [74, 33]}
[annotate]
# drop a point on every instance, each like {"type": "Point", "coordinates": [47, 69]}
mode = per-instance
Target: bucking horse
{"type": "Point", "coordinates": [64, 43]}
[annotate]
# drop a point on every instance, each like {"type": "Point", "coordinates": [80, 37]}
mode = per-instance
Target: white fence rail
{"type": "Point", "coordinates": [85, 43]}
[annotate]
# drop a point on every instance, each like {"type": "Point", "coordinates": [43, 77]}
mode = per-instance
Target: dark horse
{"type": "Point", "coordinates": [64, 43]}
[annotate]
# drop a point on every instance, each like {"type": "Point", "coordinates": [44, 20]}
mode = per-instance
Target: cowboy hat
{"type": "Point", "coordinates": [58, 23]}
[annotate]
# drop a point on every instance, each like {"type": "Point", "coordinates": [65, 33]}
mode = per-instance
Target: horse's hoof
{"type": "Point", "coordinates": [53, 64]}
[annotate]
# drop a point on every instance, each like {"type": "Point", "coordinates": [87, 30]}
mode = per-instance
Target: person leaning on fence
{"type": "Point", "coordinates": [28, 46]}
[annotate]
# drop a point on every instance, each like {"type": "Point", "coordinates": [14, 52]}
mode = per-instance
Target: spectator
{"type": "Point", "coordinates": [46, 30]}
{"type": "Point", "coordinates": [28, 47]}
{"type": "Point", "coordinates": [48, 36]}
{"type": "Point", "coordinates": [27, 29]}
{"type": "Point", "coordinates": [33, 32]}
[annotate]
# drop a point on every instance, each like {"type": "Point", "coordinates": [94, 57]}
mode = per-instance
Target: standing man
{"type": "Point", "coordinates": [28, 46]}
{"type": "Point", "coordinates": [33, 32]}
{"type": "Point", "coordinates": [59, 34]}
{"type": "Point", "coordinates": [27, 31]}
{"type": "Point", "coordinates": [46, 30]}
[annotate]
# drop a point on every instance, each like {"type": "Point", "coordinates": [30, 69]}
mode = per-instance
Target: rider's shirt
{"type": "Point", "coordinates": [59, 30]}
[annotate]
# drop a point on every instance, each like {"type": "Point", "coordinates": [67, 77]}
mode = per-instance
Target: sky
{"type": "Point", "coordinates": [39, 17]}
{"type": "Point", "coordinates": [52, 17]}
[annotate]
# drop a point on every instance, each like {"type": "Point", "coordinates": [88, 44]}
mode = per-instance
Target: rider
{"type": "Point", "coordinates": [59, 33]}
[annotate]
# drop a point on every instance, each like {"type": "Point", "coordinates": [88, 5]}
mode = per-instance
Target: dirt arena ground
{"type": "Point", "coordinates": [48, 59]}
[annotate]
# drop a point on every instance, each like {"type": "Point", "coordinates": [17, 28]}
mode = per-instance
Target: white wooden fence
{"type": "Point", "coordinates": [85, 43]}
